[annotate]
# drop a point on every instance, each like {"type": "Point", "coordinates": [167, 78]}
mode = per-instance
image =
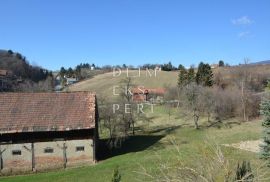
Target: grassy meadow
{"type": "Point", "coordinates": [155, 141]}
{"type": "Point", "coordinates": [103, 84]}
{"type": "Point", "coordinates": [166, 136]}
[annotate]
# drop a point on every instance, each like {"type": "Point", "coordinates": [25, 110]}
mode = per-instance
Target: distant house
{"type": "Point", "coordinates": [5, 73]}
{"type": "Point", "coordinates": [5, 79]}
{"type": "Point", "coordinates": [148, 94]}
{"type": "Point", "coordinates": [47, 130]}
{"type": "Point", "coordinates": [71, 81]}
{"type": "Point", "coordinates": [158, 68]}
{"type": "Point", "coordinates": [213, 66]}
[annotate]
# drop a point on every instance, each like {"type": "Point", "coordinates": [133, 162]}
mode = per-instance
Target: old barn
{"type": "Point", "coordinates": [47, 130]}
{"type": "Point", "coordinates": [148, 94]}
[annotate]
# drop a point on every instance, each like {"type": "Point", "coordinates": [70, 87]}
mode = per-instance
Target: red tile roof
{"type": "Point", "coordinates": [3, 72]}
{"type": "Point", "coordinates": [158, 91]}
{"type": "Point", "coordinates": [29, 112]}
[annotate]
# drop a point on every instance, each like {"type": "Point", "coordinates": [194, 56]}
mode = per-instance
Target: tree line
{"type": "Point", "coordinates": [234, 92]}
{"type": "Point", "coordinates": [25, 77]}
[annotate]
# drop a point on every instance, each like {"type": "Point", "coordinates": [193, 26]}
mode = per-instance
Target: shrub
{"type": "Point", "coordinates": [116, 175]}
{"type": "Point", "coordinates": [244, 173]}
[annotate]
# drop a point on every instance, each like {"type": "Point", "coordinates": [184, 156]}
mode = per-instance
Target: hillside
{"type": "Point", "coordinates": [262, 62]}
{"type": "Point", "coordinates": [103, 84]}
{"type": "Point", "coordinates": [22, 76]}
{"type": "Point", "coordinates": [20, 67]}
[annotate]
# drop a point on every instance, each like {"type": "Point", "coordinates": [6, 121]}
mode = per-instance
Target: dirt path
{"type": "Point", "coordinates": [252, 145]}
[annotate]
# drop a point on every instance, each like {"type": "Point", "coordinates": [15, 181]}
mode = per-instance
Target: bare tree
{"type": "Point", "coordinates": [241, 78]}
{"type": "Point", "coordinates": [126, 100]}
{"type": "Point", "coordinates": [207, 101]}
{"type": "Point", "coordinates": [192, 93]}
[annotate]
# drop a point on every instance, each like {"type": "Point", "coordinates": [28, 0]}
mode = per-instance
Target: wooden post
{"type": "Point", "coordinates": [33, 157]}
{"type": "Point", "coordinates": [65, 154]}
{"type": "Point", "coordinates": [1, 159]}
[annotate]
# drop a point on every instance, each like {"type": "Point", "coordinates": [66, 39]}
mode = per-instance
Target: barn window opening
{"type": "Point", "coordinates": [79, 148]}
{"type": "Point", "coordinates": [48, 150]}
{"type": "Point", "coordinates": [16, 152]}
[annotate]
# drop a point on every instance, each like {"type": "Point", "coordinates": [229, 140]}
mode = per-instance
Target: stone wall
{"type": "Point", "coordinates": [25, 157]}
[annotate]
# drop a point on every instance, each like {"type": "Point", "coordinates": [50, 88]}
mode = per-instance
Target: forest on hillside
{"type": "Point", "coordinates": [22, 75]}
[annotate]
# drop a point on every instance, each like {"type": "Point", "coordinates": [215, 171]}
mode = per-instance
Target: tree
{"type": "Point", "coordinates": [180, 67]}
{"type": "Point", "coordinates": [10, 52]}
{"type": "Point", "coordinates": [265, 147]}
{"type": "Point", "coordinates": [192, 92]}
{"type": "Point", "coordinates": [242, 77]}
{"type": "Point", "coordinates": [70, 72]}
{"type": "Point", "coordinates": [126, 98]}
{"type": "Point", "coordinates": [204, 75]}
{"type": "Point", "coordinates": [19, 56]}
{"type": "Point", "coordinates": [168, 67]}
{"type": "Point", "coordinates": [116, 175]}
{"type": "Point", "coordinates": [207, 102]}
{"type": "Point", "coordinates": [62, 72]}
{"type": "Point", "coordinates": [182, 77]}
{"type": "Point", "coordinates": [221, 63]}
{"type": "Point", "coordinates": [191, 75]}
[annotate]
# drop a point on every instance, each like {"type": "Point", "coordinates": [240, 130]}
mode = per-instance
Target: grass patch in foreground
{"type": "Point", "coordinates": [147, 150]}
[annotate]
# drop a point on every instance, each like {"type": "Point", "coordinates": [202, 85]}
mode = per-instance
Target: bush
{"type": "Point", "coordinates": [116, 175]}
{"type": "Point", "coordinates": [244, 173]}
{"type": "Point", "coordinates": [265, 148]}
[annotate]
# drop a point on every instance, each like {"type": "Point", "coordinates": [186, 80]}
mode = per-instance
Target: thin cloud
{"type": "Point", "coordinates": [243, 34]}
{"type": "Point", "coordinates": [244, 20]}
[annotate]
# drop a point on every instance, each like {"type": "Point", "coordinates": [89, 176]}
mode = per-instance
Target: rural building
{"type": "Point", "coordinates": [47, 130]}
{"type": "Point", "coordinates": [5, 79]}
{"type": "Point", "coordinates": [214, 66]}
{"type": "Point", "coordinates": [71, 81]}
{"type": "Point", "coordinates": [148, 95]}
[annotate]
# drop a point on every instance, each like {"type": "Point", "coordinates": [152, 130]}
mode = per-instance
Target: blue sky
{"type": "Point", "coordinates": [55, 33]}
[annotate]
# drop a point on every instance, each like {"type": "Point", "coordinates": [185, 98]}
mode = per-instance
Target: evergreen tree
{"type": "Point", "coordinates": [62, 72]}
{"type": "Point", "coordinates": [208, 76]}
{"type": "Point", "coordinates": [116, 175]}
{"type": "Point", "coordinates": [168, 67]}
{"type": "Point", "coordinates": [191, 75]}
{"type": "Point", "coordinates": [199, 74]}
{"type": "Point", "coordinates": [180, 67]}
{"type": "Point", "coordinates": [221, 63]}
{"type": "Point", "coordinates": [265, 147]}
{"type": "Point", "coordinates": [182, 77]}
{"type": "Point", "coordinates": [10, 52]}
{"type": "Point", "coordinates": [204, 75]}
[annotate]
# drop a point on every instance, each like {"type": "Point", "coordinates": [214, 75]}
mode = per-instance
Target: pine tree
{"type": "Point", "coordinates": [116, 175]}
{"type": "Point", "coordinates": [208, 76]}
{"type": "Point", "coordinates": [180, 67]}
{"type": "Point", "coordinates": [204, 75]}
{"type": "Point", "coordinates": [199, 74]}
{"type": "Point", "coordinates": [190, 75]}
{"type": "Point", "coordinates": [221, 63]}
{"type": "Point", "coordinates": [265, 147]}
{"type": "Point", "coordinates": [182, 77]}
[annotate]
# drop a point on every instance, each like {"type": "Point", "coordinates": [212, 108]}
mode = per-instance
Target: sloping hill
{"type": "Point", "coordinates": [103, 84]}
{"type": "Point", "coordinates": [262, 62]}
{"type": "Point", "coordinates": [20, 67]}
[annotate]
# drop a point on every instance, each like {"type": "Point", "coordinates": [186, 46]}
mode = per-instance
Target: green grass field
{"type": "Point", "coordinates": [153, 141]}
{"type": "Point", "coordinates": [103, 84]}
